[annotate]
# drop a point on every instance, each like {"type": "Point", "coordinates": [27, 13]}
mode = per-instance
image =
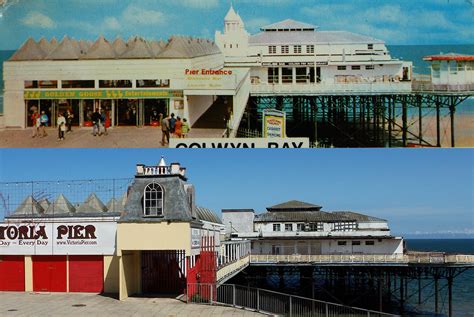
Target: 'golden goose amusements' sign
{"type": "Point", "coordinates": [57, 238]}
{"type": "Point", "coordinates": [102, 94]}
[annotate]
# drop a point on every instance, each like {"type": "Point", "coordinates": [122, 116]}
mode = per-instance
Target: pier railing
{"type": "Point", "coordinates": [322, 88]}
{"type": "Point", "coordinates": [270, 302]}
{"type": "Point", "coordinates": [421, 257]}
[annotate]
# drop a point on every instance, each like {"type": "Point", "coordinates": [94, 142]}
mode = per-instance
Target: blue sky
{"type": "Point", "coordinates": [396, 22]}
{"type": "Point", "coordinates": [416, 190]}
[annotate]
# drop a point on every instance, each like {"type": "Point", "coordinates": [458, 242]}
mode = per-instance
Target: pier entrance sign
{"type": "Point", "coordinates": [274, 123]}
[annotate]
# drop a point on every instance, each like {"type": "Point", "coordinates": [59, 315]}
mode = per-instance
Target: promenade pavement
{"type": "Point", "coordinates": [81, 304]}
{"type": "Point", "coordinates": [120, 137]}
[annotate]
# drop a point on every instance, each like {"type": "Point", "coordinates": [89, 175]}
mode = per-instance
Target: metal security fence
{"type": "Point", "coordinates": [45, 198]}
{"type": "Point", "coordinates": [271, 302]}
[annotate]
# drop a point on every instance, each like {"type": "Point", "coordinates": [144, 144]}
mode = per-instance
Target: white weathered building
{"type": "Point", "coordinates": [290, 55]}
{"type": "Point", "coordinates": [296, 227]}
{"type": "Point", "coordinates": [451, 71]}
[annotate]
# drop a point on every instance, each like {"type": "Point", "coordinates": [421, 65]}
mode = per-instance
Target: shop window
{"type": "Point", "coordinates": [287, 75]}
{"type": "Point", "coordinates": [153, 83]}
{"type": "Point", "coordinates": [272, 50]}
{"type": "Point", "coordinates": [341, 67]}
{"type": "Point", "coordinates": [300, 227]}
{"type": "Point", "coordinates": [301, 75]}
{"type": "Point", "coordinates": [356, 67]}
{"type": "Point", "coordinates": [341, 242]}
{"type": "Point", "coordinates": [115, 84]}
{"type": "Point", "coordinates": [355, 242]}
{"type": "Point", "coordinates": [288, 227]}
{"type": "Point", "coordinates": [78, 84]}
{"type": "Point", "coordinates": [153, 200]}
{"type": "Point", "coordinates": [310, 49]}
{"type": "Point", "coordinates": [369, 242]}
{"type": "Point", "coordinates": [369, 67]}
{"type": "Point", "coordinates": [276, 227]}
{"type": "Point", "coordinates": [273, 75]}
{"type": "Point", "coordinates": [31, 84]}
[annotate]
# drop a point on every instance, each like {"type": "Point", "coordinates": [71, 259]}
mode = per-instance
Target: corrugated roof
{"type": "Point", "coordinates": [207, 215]}
{"type": "Point", "coordinates": [238, 210]}
{"type": "Point", "coordinates": [101, 49]}
{"type": "Point", "coordinates": [303, 216]}
{"type": "Point", "coordinates": [304, 37]}
{"type": "Point", "coordinates": [188, 47]}
{"type": "Point", "coordinates": [119, 46]}
{"type": "Point", "coordinates": [289, 24]}
{"type": "Point", "coordinates": [60, 206]}
{"type": "Point", "coordinates": [44, 203]}
{"type": "Point", "coordinates": [294, 205]}
{"type": "Point", "coordinates": [449, 57]}
{"type": "Point", "coordinates": [359, 217]}
{"type": "Point", "coordinates": [92, 205]}
{"type": "Point", "coordinates": [29, 206]}
{"type": "Point", "coordinates": [66, 50]}
{"type": "Point", "coordinates": [29, 51]}
{"type": "Point", "coordinates": [136, 48]}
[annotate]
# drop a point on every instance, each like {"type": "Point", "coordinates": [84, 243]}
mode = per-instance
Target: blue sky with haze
{"type": "Point", "coordinates": [426, 190]}
{"type": "Point", "coordinates": [396, 22]}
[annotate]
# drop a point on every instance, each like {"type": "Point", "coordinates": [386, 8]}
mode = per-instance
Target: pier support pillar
{"type": "Point", "coordinates": [402, 294]}
{"type": "Point", "coordinates": [450, 295]}
{"type": "Point", "coordinates": [438, 124]}
{"type": "Point", "coordinates": [404, 121]}
{"type": "Point", "coordinates": [452, 110]}
{"type": "Point", "coordinates": [420, 119]}
{"type": "Point", "coordinates": [436, 294]}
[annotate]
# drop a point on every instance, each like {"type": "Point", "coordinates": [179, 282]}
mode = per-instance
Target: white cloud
{"type": "Point", "coordinates": [111, 23]}
{"type": "Point", "coordinates": [205, 4]}
{"type": "Point", "coordinates": [256, 23]}
{"type": "Point", "coordinates": [38, 19]}
{"type": "Point", "coordinates": [138, 16]}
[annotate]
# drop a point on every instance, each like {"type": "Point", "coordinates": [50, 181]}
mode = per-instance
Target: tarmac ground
{"type": "Point", "coordinates": [120, 137]}
{"type": "Point", "coordinates": [82, 304]}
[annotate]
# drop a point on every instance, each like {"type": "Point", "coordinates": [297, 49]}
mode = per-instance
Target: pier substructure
{"type": "Point", "coordinates": [358, 120]}
{"type": "Point", "coordinates": [387, 288]}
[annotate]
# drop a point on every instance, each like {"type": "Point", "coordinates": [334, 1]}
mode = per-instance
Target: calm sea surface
{"type": "Point", "coordinates": [412, 53]}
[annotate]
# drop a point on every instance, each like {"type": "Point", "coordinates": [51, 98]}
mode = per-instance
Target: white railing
{"type": "Point", "coordinates": [321, 88]}
{"type": "Point", "coordinates": [229, 269]}
{"type": "Point", "coordinates": [270, 302]}
{"type": "Point", "coordinates": [153, 170]}
{"type": "Point", "coordinates": [364, 258]}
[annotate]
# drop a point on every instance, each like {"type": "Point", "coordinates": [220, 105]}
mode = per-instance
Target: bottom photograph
{"type": "Point", "coordinates": [242, 233]}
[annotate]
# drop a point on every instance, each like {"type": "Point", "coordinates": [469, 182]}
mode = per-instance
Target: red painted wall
{"type": "Point", "coordinates": [49, 273]}
{"type": "Point", "coordinates": [12, 273]}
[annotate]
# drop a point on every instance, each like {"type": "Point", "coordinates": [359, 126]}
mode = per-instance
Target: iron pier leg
{"type": "Point", "coordinates": [450, 295]}
{"type": "Point", "coordinates": [436, 294]}
{"type": "Point", "coordinates": [420, 119]}
{"type": "Point", "coordinates": [380, 287]}
{"type": "Point", "coordinates": [419, 290]}
{"type": "Point", "coordinates": [390, 118]}
{"type": "Point", "coordinates": [404, 121]}
{"type": "Point", "coordinates": [402, 295]}
{"type": "Point", "coordinates": [452, 109]}
{"type": "Point", "coordinates": [438, 127]}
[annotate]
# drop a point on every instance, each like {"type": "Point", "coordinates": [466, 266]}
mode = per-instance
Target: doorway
{"type": "Point", "coordinates": [163, 272]}
{"type": "Point", "coordinates": [126, 112]}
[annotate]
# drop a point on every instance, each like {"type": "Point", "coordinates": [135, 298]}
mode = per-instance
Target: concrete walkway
{"type": "Point", "coordinates": [120, 137]}
{"type": "Point", "coordinates": [80, 304]}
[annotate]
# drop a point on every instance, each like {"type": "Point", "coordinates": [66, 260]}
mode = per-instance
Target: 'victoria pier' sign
{"type": "Point", "coordinates": [58, 238]}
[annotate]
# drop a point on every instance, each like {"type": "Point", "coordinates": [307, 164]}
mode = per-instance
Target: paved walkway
{"type": "Point", "coordinates": [80, 304]}
{"type": "Point", "coordinates": [121, 137]}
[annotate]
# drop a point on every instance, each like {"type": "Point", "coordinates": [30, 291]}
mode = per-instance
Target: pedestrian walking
{"type": "Point", "coordinates": [103, 121]}
{"type": "Point", "coordinates": [61, 126]}
{"type": "Point", "coordinates": [172, 122]}
{"type": "Point", "coordinates": [178, 127]}
{"type": "Point", "coordinates": [44, 119]}
{"type": "Point", "coordinates": [185, 128]}
{"type": "Point", "coordinates": [96, 122]}
{"type": "Point", "coordinates": [69, 116]}
{"type": "Point", "coordinates": [35, 122]}
{"type": "Point", "coordinates": [165, 130]}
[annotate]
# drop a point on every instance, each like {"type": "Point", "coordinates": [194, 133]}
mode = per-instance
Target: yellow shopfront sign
{"type": "Point", "coordinates": [102, 94]}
